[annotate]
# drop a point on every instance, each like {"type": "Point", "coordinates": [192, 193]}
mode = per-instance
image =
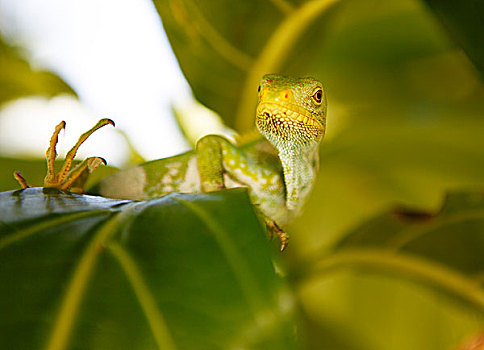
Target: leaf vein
{"type": "Point", "coordinates": [154, 316]}
{"type": "Point", "coordinates": [241, 270]}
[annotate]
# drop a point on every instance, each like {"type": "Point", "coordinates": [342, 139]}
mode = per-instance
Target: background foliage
{"type": "Point", "coordinates": [406, 101]}
{"type": "Point", "coordinates": [405, 115]}
{"type": "Point", "coordinates": [18, 79]}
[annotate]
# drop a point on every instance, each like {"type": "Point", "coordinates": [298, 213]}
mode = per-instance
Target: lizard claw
{"type": "Point", "coordinates": [274, 228]}
{"type": "Point", "coordinates": [67, 177]}
{"type": "Point", "coordinates": [284, 237]}
{"type": "Point", "coordinates": [18, 176]}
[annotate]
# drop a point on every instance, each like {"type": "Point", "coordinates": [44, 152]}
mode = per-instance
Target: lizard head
{"type": "Point", "coordinates": [291, 111]}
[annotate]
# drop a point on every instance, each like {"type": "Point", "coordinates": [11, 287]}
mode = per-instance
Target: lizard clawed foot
{"type": "Point", "coordinates": [66, 177]}
{"type": "Point", "coordinates": [18, 176]}
{"type": "Point", "coordinates": [274, 228]}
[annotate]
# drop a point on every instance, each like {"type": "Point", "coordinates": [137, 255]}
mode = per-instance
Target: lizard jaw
{"type": "Point", "coordinates": [280, 123]}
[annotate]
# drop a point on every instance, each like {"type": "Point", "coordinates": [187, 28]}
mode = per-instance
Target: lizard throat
{"type": "Point", "coordinates": [281, 124]}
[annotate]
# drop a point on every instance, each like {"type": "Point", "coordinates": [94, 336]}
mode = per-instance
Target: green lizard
{"type": "Point", "coordinates": [278, 170]}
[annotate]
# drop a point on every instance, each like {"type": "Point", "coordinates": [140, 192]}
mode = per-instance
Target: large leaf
{"type": "Point", "coordinates": [180, 272]}
{"type": "Point", "coordinates": [19, 79]}
{"type": "Point", "coordinates": [417, 274]}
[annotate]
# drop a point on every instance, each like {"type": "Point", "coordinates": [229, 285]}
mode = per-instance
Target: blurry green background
{"type": "Point", "coordinates": [405, 125]}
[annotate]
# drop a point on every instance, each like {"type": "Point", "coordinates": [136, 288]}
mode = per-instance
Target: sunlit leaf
{"type": "Point", "coordinates": [443, 250]}
{"type": "Point", "coordinates": [421, 270]}
{"type": "Point", "coordinates": [180, 272]}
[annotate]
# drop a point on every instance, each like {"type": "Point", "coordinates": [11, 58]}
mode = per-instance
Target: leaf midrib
{"type": "Point", "coordinates": [145, 297]}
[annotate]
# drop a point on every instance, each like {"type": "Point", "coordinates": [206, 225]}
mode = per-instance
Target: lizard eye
{"type": "Point", "coordinates": [318, 96]}
{"type": "Point", "coordinates": [258, 90]}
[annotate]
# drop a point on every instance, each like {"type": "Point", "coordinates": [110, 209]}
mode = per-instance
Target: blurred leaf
{"type": "Point", "coordinates": [18, 79]}
{"type": "Point", "coordinates": [95, 273]}
{"type": "Point", "coordinates": [320, 335]}
{"type": "Point", "coordinates": [384, 311]}
{"type": "Point", "coordinates": [465, 22]}
{"type": "Point", "coordinates": [225, 47]}
{"type": "Point", "coordinates": [134, 157]}
{"type": "Point", "coordinates": [443, 250]}
{"type": "Point", "coordinates": [403, 271]}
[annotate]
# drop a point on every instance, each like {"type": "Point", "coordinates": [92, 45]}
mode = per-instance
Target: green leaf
{"type": "Point", "coordinates": [464, 21]}
{"type": "Point", "coordinates": [18, 79]}
{"type": "Point", "coordinates": [179, 272]}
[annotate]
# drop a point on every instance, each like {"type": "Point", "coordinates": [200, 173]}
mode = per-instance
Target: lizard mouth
{"type": "Point", "coordinates": [288, 122]}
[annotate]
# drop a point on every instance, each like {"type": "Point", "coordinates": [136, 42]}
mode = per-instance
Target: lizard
{"type": "Point", "coordinates": [278, 168]}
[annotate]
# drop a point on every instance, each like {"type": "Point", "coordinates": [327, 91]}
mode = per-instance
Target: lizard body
{"type": "Point", "coordinates": [253, 165]}
{"type": "Point", "coordinates": [278, 170]}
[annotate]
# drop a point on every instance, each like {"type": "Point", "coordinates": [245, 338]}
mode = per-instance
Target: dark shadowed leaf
{"type": "Point", "coordinates": [464, 20]}
{"type": "Point", "coordinates": [180, 272]}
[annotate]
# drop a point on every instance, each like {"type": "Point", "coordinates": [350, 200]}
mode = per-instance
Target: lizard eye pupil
{"type": "Point", "coordinates": [258, 90]}
{"type": "Point", "coordinates": [318, 96]}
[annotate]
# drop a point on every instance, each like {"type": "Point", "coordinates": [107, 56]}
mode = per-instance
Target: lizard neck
{"type": "Point", "coordinates": [300, 166]}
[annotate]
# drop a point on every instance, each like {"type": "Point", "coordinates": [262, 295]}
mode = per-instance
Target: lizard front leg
{"type": "Point", "coordinates": [274, 228]}
{"type": "Point", "coordinates": [217, 156]}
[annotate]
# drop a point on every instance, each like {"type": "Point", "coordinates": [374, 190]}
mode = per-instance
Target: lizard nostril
{"type": "Point", "coordinates": [285, 95]}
